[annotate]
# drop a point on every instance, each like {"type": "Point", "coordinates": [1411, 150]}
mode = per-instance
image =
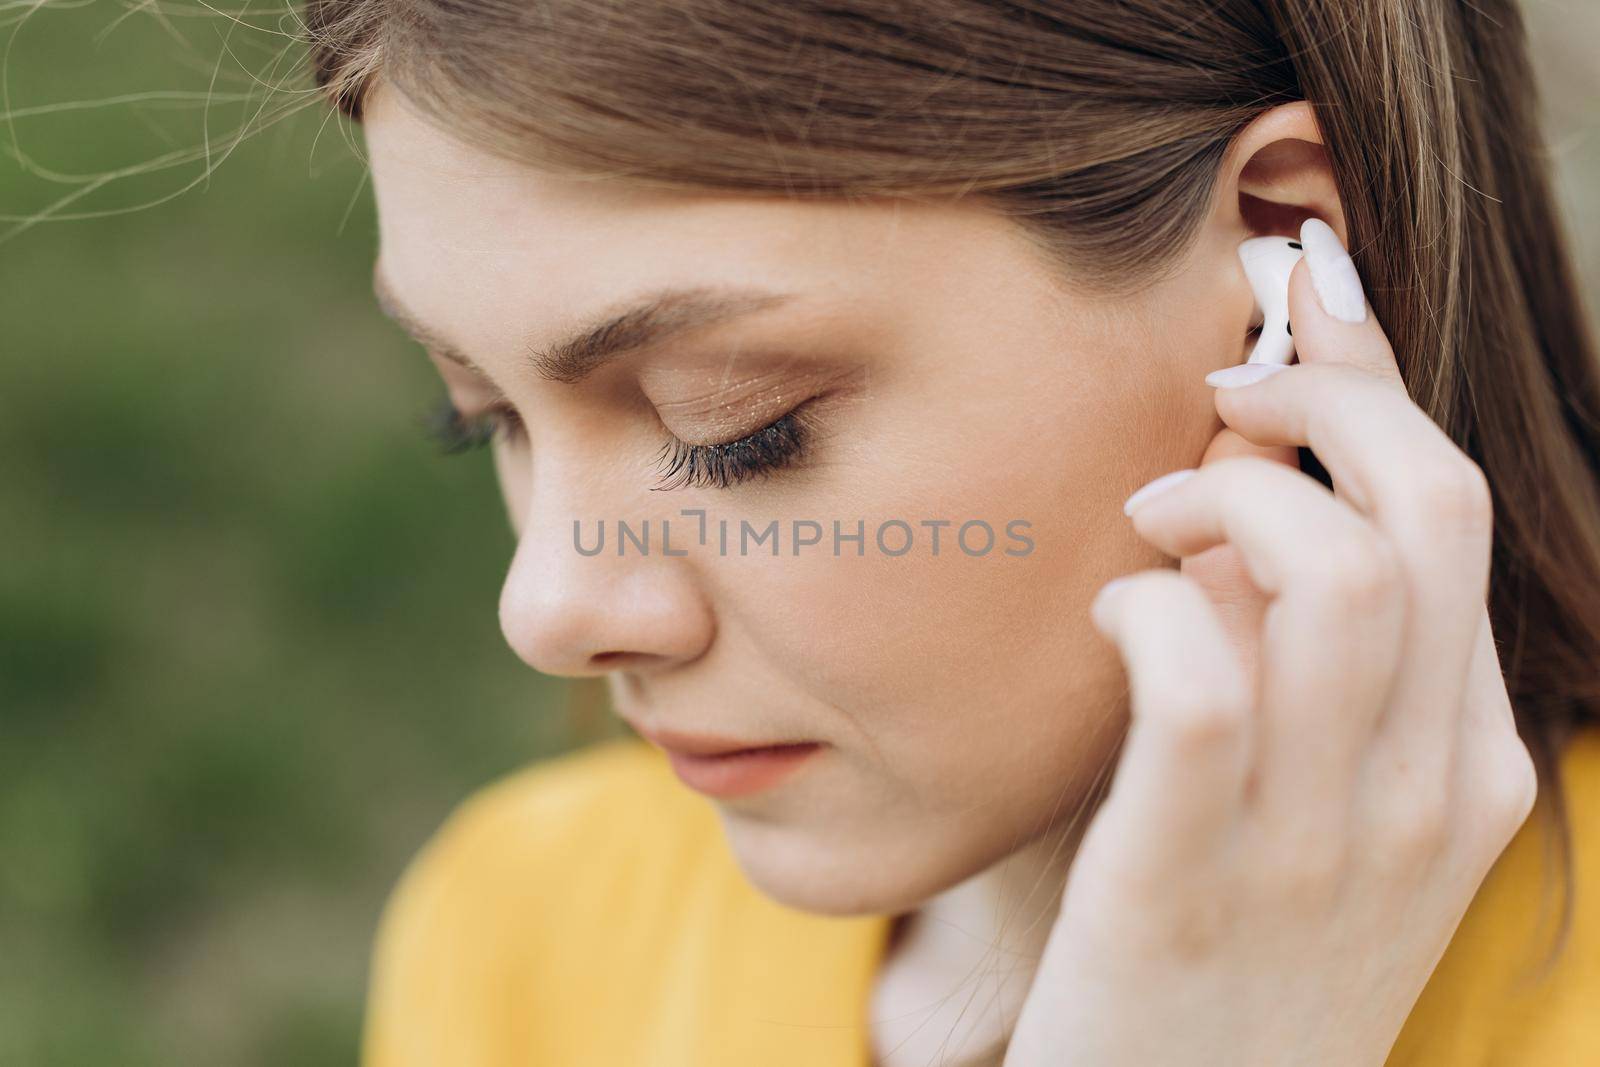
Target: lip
{"type": "Point", "coordinates": [725, 767]}
{"type": "Point", "coordinates": [741, 773]}
{"type": "Point", "coordinates": [705, 744]}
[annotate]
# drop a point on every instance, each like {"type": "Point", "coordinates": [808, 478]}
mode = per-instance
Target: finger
{"type": "Point", "coordinates": [1487, 705]}
{"type": "Point", "coordinates": [1229, 444]}
{"type": "Point", "coordinates": [1495, 780]}
{"type": "Point", "coordinates": [1329, 641]}
{"type": "Point", "coordinates": [1396, 465]}
{"type": "Point", "coordinates": [1391, 462]}
{"type": "Point", "coordinates": [1325, 291]}
{"type": "Point", "coordinates": [1221, 572]}
{"type": "Point", "coordinates": [1377, 445]}
{"type": "Point", "coordinates": [1410, 822]}
{"type": "Point", "coordinates": [1180, 777]}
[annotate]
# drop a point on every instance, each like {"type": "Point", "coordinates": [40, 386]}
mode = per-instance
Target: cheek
{"type": "Point", "coordinates": [955, 657]}
{"type": "Point", "coordinates": [965, 670]}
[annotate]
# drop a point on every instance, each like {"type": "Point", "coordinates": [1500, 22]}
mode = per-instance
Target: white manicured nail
{"type": "Point", "coordinates": [1243, 374]}
{"type": "Point", "coordinates": [1150, 489]}
{"type": "Point", "coordinates": [1333, 273]}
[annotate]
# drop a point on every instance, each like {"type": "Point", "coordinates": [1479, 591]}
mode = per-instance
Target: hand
{"type": "Point", "coordinates": [1316, 777]}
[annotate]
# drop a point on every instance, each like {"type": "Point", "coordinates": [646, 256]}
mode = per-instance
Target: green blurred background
{"type": "Point", "coordinates": [249, 655]}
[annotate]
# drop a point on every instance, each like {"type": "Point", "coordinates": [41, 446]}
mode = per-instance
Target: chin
{"type": "Point", "coordinates": [813, 869]}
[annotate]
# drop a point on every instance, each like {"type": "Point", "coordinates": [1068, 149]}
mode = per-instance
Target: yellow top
{"type": "Point", "coordinates": [586, 911]}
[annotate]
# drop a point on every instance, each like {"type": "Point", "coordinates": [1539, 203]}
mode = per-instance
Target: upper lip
{"type": "Point", "coordinates": [702, 744]}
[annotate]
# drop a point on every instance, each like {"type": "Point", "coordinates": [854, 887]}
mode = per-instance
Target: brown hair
{"type": "Point", "coordinates": [1100, 127]}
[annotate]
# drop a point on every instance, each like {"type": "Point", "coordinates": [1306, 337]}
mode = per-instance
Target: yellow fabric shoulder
{"type": "Point", "coordinates": [1490, 1001]}
{"type": "Point", "coordinates": [587, 910]}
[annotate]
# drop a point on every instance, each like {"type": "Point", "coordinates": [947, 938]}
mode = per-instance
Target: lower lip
{"type": "Point", "coordinates": [739, 773]}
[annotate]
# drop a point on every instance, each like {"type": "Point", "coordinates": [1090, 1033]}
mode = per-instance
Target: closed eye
{"type": "Point", "coordinates": [780, 444]}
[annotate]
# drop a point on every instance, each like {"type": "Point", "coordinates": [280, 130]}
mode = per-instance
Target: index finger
{"type": "Point", "coordinates": [1353, 335]}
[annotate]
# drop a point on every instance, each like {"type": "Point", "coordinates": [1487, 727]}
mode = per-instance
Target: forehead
{"type": "Point", "coordinates": [464, 230]}
{"type": "Point", "coordinates": [431, 187]}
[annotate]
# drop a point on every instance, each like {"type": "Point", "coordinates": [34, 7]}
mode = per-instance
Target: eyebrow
{"type": "Point", "coordinates": [646, 322]}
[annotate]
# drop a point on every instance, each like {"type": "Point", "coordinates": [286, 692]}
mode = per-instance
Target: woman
{"type": "Point", "coordinates": [753, 301]}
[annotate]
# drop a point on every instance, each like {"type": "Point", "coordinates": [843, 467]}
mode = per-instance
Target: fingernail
{"type": "Point", "coordinates": [1333, 272]}
{"type": "Point", "coordinates": [1097, 606]}
{"type": "Point", "coordinates": [1150, 489]}
{"type": "Point", "coordinates": [1243, 374]}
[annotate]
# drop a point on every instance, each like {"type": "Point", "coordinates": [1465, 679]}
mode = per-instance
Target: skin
{"type": "Point", "coordinates": [1337, 796]}
{"type": "Point", "coordinates": [969, 707]}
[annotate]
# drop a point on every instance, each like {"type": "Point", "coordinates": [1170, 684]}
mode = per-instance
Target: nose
{"type": "Point", "coordinates": [565, 612]}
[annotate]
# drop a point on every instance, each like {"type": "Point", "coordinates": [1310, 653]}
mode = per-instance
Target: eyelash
{"type": "Point", "coordinates": [780, 444]}
{"type": "Point", "coordinates": [452, 432]}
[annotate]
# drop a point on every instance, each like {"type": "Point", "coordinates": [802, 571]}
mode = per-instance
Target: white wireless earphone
{"type": "Point", "coordinates": [1268, 261]}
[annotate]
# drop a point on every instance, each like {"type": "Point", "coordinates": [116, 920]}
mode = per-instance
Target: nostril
{"type": "Point", "coordinates": [611, 661]}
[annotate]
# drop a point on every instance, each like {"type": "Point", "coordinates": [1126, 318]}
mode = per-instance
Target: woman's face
{"type": "Point", "coordinates": [964, 701]}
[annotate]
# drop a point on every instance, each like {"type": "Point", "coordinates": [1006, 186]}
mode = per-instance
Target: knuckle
{"type": "Point", "coordinates": [1513, 786]}
{"type": "Point", "coordinates": [1200, 717]}
{"type": "Point", "coordinates": [1359, 572]}
{"type": "Point", "coordinates": [1414, 828]}
{"type": "Point", "coordinates": [1367, 372]}
{"type": "Point", "coordinates": [1455, 494]}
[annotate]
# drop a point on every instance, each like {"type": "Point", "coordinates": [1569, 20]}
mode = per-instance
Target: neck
{"type": "Point", "coordinates": [956, 970]}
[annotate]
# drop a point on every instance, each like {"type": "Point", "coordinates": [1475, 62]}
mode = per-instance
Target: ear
{"type": "Point", "coordinates": [1275, 175]}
